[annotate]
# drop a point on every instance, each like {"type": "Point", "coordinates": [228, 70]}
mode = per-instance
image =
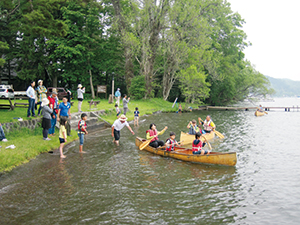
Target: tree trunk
{"type": "Point", "coordinates": [92, 87]}
{"type": "Point", "coordinates": [54, 81]}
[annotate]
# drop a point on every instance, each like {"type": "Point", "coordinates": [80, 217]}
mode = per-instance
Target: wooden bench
{"type": "Point", "coordinates": [95, 103]}
{"type": "Point", "coordinates": [21, 105]}
{"type": "Point", "coordinates": [9, 106]}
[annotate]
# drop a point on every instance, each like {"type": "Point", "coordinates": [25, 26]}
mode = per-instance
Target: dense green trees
{"type": "Point", "coordinates": [192, 49]}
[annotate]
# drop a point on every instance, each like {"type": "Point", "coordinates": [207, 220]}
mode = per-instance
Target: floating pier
{"type": "Point", "coordinates": [229, 108]}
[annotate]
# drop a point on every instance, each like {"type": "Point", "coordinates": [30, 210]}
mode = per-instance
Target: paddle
{"type": "Point", "coordinates": [207, 143]}
{"type": "Point", "coordinates": [146, 143]}
{"type": "Point", "coordinates": [265, 112]}
{"type": "Point", "coordinates": [219, 134]}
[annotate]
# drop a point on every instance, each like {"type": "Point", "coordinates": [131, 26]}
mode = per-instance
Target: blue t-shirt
{"type": "Point", "coordinates": [136, 113]}
{"type": "Point", "coordinates": [64, 108]}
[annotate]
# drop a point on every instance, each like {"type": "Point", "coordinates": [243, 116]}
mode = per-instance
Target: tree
{"type": "Point", "coordinates": [193, 85]}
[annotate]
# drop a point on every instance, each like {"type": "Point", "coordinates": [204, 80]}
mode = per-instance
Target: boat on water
{"type": "Point", "coordinates": [258, 113]}
{"type": "Point", "coordinates": [189, 138]}
{"type": "Point", "coordinates": [185, 154]}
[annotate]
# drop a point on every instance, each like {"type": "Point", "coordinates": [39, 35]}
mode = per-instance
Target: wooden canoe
{"type": "Point", "coordinates": [189, 138]}
{"type": "Point", "coordinates": [185, 154]}
{"type": "Point", "coordinates": [258, 113]}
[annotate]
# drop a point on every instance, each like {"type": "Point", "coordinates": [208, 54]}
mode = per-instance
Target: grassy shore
{"type": "Point", "coordinates": [29, 143]}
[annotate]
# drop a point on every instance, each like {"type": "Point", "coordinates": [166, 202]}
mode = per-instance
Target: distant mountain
{"type": "Point", "coordinates": [285, 87]}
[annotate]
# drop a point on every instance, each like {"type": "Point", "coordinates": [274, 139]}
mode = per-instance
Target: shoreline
{"type": "Point", "coordinates": [29, 142]}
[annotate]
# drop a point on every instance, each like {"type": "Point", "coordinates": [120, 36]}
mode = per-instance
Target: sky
{"type": "Point", "coordinates": [272, 26]}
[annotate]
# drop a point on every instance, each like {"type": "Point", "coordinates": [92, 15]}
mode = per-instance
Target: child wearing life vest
{"type": "Point", "coordinates": [193, 128]}
{"type": "Point", "coordinates": [152, 134]}
{"type": "Point", "coordinates": [171, 142]}
{"type": "Point", "coordinates": [82, 131]}
{"type": "Point", "coordinates": [198, 144]}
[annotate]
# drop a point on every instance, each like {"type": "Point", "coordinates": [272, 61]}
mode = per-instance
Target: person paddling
{"type": "Point", "coordinates": [198, 144]}
{"type": "Point", "coordinates": [208, 124]}
{"type": "Point", "coordinates": [118, 126]}
{"type": "Point", "coordinates": [152, 134]}
{"type": "Point", "coordinates": [193, 128]}
{"type": "Point", "coordinates": [171, 142]}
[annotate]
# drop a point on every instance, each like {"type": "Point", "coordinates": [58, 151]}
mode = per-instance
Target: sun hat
{"type": "Point", "coordinates": [123, 118]}
{"type": "Point", "coordinates": [45, 101]}
{"type": "Point", "coordinates": [79, 86]}
{"type": "Point", "coordinates": [39, 81]}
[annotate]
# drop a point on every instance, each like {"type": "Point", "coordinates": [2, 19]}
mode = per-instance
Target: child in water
{"type": "Point", "coordinates": [82, 131]}
{"type": "Point", "coordinates": [198, 144]}
{"type": "Point", "coordinates": [136, 116]}
{"type": "Point", "coordinates": [171, 142]}
{"type": "Point", "coordinates": [62, 136]}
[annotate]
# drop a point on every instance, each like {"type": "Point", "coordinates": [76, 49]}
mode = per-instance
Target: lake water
{"type": "Point", "coordinates": [123, 185]}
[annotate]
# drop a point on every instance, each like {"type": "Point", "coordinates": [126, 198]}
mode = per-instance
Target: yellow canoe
{"type": "Point", "coordinates": [258, 113]}
{"type": "Point", "coordinates": [189, 138]}
{"type": "Point", "coordinates": [185, 154]}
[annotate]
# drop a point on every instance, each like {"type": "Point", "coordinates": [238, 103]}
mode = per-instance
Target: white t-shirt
{"type": "Point", "coordinates": [118, 125]}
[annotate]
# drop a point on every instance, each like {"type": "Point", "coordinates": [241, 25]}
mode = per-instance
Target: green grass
{"type": "Point", "coordinates": [29, 144]}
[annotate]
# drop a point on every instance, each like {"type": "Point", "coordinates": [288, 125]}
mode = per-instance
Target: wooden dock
{"type": "Point", "coordinates": [229, 108]}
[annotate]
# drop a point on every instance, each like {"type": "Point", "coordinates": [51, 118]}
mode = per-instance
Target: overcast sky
{"type": "Point", "coordinates": [273, 28]}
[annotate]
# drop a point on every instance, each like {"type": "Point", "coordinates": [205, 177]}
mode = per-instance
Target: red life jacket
{"type": "Point", "coordinates": [197, 145]}
{"type": "Point", "coordinates": [172, 145]}
{"type": "Point", "coordinates": [152, 133]}
{"type": "Point", "coordinates": [81, 126]}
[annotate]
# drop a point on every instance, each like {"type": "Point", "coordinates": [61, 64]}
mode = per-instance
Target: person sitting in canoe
{"type": "Point", "coordinates": [198, 144]}
{"type": "Point", "coordinates": [193, 128]}
{"type": "Point", "coordinates": [152, 134]}
{"type": "Point", "coordinates": [260, 109]}
{"type": "Point", "coordinates": [208, 124]}
{"type": "Point", "coordinates": [171, 142]}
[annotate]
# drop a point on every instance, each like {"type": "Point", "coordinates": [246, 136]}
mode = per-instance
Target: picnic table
{"type": "Point", "coordinates": [9, 106]}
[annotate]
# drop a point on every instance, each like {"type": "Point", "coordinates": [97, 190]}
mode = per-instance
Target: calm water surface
{"type": "Point", "coordinates": [123, 185]}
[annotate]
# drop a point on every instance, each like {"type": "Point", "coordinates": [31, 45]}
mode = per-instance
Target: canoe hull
{"type": "Point", "coordinates": [228, 159]}
{"type": "Point", "coordinates": [258, 113]}
{"type": "Point", "coordinates": [189, 138]}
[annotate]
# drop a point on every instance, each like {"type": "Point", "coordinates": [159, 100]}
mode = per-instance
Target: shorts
{"type": "Point", "coordinates": [136, 117]}
{"type": "Point", "coordinates": [81, 138]}
{"type": "Point", "coordinates": [116, 134]}
{"type": "Point", "coordinates": [118, 113]}
{"type": "Point", "coordinates": [199, 152]}
{"type": "Point", "coordinates": [61, 140]}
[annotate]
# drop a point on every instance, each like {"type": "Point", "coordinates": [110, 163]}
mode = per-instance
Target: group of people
{"type": "Point", "coordinates": [194, 129]}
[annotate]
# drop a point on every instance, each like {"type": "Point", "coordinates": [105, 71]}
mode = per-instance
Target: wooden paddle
{"type": "Point", "coordinates": [207, 143]}
{"type": "Point", "coordinates": [146, 143]}
{"type": "Point", "coordinates": [219, 134]}
{"type": "Point", "coordinates": [265, 112]}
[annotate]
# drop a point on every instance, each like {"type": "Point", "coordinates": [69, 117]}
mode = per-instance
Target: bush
{"type": "Point", "coordinates": [137, 89]}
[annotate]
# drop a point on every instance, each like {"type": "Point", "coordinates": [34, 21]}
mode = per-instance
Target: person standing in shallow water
{"type": "Point", "coordinates": [118, 126]}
